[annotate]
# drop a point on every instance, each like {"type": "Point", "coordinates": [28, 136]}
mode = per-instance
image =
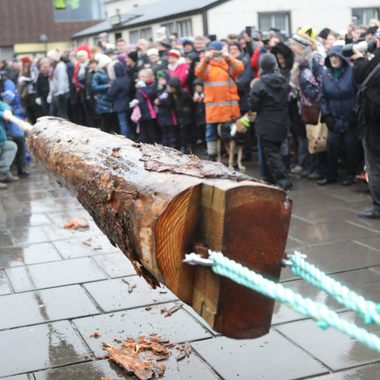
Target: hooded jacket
{"type": "Point", "coordinates": [221, 91]}
{"type": "Point", "coordinates": [3, 136]}
{"type": "Point", "coordinates": [269, 98]}
{"type": "Point", "coordinates": [120, 90]}
{"type": "Point", "coordinates": [338, 93]}
{"type": "Point", "coordinates": [100, 87]}
{"type": "Point", "coordinates": [288, 55]}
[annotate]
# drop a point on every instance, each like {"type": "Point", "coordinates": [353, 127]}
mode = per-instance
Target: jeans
{"type": "Point", "coordinates": [123, 124]}
{"type": "Point", "coordinates": [211, 132]}
{"type": "Point", "coordinates": [7, 154]}
{"type": "Point", "coordinates": [371, 144]}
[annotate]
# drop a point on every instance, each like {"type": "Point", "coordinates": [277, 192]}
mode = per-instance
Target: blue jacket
{"type": "Point", "coordinates": [120, 89]}
{"type": "Point", "coordinates": [10, 96]}
{"type": "Point", "coordinates": [3, 135]}
{"type": "Point", "coordinates": [338, 94]}
{"type": "Point", "coordinates": [100, 87]}
{"type": "Point", "coordinates": [146, 95]}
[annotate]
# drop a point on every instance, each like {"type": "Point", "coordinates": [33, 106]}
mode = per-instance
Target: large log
{"type": "Point", "coordinates": [157, 204]}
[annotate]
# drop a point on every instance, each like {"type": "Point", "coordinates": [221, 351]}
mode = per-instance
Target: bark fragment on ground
{"type": "Point", "coordinates": [77, 224]}
{"type": "Point", "coordinates": [141, 357]}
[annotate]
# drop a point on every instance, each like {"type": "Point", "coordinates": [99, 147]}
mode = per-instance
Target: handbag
{"type": "Point", "coordinates": [136, 114]}
{"type": "Point", "coordinates": [317, 136]}
{"type": "Point", "coordinates": [310, 113]}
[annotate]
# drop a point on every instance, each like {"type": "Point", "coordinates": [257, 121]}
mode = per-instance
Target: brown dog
{"type": "Point", "coordinates": [232, 135]}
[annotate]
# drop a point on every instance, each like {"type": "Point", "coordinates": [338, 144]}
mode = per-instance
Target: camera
{"type": "Point", "coordinates": [362, 46]}
{"type": "Point", "coordinates": [217, 53]}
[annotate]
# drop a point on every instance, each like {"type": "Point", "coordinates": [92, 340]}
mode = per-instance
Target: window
{"type": "Point", "coordinates": [364, 15]}
{"type": "Point", "coordinates": [184, 28]}
{"type": "Point", "coordinates": [278, 20]}
{"type": "Point", "coordinates": [135, 35]}
{"type": "Point", "coordinates": [169, 28]}
{"type": "Point", "coordinates": [146, 33]}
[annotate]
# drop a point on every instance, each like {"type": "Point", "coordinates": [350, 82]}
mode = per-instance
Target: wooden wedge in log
{"type": "Point", "coordinates": [157, 204]}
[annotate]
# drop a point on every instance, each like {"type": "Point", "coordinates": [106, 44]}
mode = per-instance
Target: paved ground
{"type": "Point", "coordinates": [57, 287]}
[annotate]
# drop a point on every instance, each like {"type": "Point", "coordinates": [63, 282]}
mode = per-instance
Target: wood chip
{"type": "Point", "coordinates": [168, 312]}
{"type": "Point", "coordinates": [95, 335]}
{"type": "Point", "coordinates": [185, 351]}
{"type": "Point", "coordinates": [77, 224]}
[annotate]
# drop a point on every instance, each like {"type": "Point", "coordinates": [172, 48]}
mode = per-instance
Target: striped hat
{"type": "Point", "coordinates": [301, 39]}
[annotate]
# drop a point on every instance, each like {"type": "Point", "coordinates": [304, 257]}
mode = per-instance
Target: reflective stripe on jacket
{"type": "Point", "coordinates": [221, 92]}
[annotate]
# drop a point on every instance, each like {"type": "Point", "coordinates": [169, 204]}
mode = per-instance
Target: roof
{"type": "Point", "coordinates": [159, 10]}
{"type": "Point", "coordinates": [23, 21]}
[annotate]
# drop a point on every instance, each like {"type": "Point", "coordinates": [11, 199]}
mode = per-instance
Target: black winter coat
{"type": "Point", "coordinates": [369, 97]}
{"type": "Point", "coordinates": [120, 89]}
{"type": "Point", "coordinates": [338, 94]}
{"type": "Point", "coordinates": [146, 96]}
{"type": "Point", "coordinates": [269, 98]}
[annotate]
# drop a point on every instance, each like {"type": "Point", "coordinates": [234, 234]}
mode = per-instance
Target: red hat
{"type": "Point", "coordinates": [174, 53]}
{"type": "Point", "coordinates": [26, 60]}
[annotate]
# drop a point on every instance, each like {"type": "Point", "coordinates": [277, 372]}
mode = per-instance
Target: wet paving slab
{"type": "Point", "coordinates": [268, 357]}
{"type": "Point", "coordinates": [54, 274]}
{"type": "Point", "coordinates": [30, 254]}
{"type": "Point", "coordinates": [115, 264]}
{"type": "Point", "coordinates": [45, 305]}
{"type": "Point", "coordinates": [57, 287]}
{"type": "Point", "coordinates": [332, 348]}
{"type": "Point", "coordinates": [369, 372]}
{"type": "Point", "coordinates": [126, 293]}
{"type": "Point", "coordinates": [190, 368]}
{"type": "Point", "coordinates": [40, 347]}
{"type": "Point", "coordinates": [84, 246]}
{"type": "Point", "coordinates": [178, 328]}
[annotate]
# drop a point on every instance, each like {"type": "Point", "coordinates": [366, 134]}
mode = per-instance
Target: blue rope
{"type": "Point", "coordinates": [369, 311]}
{"type": "Point", "coordinates": [321, 313]}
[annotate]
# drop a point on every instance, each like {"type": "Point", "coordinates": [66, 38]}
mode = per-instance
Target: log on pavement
{"type": "Point", "coordinates": [157, 204]}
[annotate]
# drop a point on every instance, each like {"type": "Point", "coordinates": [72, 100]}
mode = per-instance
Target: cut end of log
{"type": "Point", "coordinates": [157, 205]}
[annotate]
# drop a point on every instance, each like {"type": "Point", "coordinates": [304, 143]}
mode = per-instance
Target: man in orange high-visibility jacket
{"type": "Point", "coordinates": [219, 72]}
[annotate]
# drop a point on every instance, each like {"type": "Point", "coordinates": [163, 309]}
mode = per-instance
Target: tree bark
{"type": "Point", "coordinates": [157, 204]}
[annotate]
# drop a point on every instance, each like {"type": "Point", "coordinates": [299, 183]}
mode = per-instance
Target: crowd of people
{"type": "Point", "coordinates": [178, 92]}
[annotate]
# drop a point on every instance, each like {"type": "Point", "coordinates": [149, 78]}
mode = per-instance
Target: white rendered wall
{"type": "Point", "coordinates": [234, 15]}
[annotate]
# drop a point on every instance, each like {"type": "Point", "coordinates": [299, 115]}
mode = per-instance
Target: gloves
{"type": "Point", "coordinates": [330, 122]}
{"type": "Point", "coordinates": [49, 99]}
{"type": "Point", "coordinates": [38, 101]}
{"type": "Point", "coordinates": [133, 103]}
{"type": "Point", "coordinates": [140, 84]}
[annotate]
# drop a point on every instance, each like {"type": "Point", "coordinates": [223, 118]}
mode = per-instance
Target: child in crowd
{"type": "Point", "coordinates": [146, 93]}
{"type": "Point", "coordinates": [199, 111]}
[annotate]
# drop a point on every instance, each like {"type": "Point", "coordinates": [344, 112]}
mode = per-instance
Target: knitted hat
{"type": "Point", "coordinates": [152, 51]}
{"type": "Point", "coordinates": [174, 53]}
{"type": "Point", "coordinates": [267, 62]}
{"type": "Point", "coordinates": [166, 43]}
{"type": "Point", "coordinates": [302, 40]}
{"type": "Point", "coordinates": [103, 60]}
{"type": "Point", "coordinates": [26, 60]}
{"type": "Point", "coordinates": [215, 45]}
{"type": "Point", "coordinates": [54, 55]}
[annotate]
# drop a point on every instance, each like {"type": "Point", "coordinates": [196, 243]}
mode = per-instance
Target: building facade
{"type": "Point", "coordinates": [35, 26]}
{"type": "Point", "coordinates": [134, 19]}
